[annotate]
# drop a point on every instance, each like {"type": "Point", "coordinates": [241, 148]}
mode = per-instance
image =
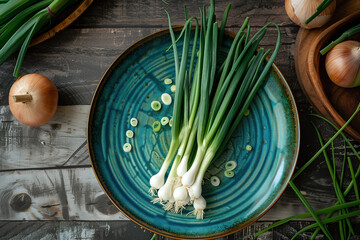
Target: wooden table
{"type": "Point", "coordinates": [47, 187]}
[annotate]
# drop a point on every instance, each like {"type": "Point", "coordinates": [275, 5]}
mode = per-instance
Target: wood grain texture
{"type": "Point", "coordinates": [130, 14]}
{"type": "Point", "coordinates": [124, 230]}
{"type": "Point", "coordinates": [60, 142]}
{"type": "Point", "coordinates": [56, 194]}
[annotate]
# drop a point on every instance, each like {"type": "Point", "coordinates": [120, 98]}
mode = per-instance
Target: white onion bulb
{"type": "Point", "coordinates": [300, 10]}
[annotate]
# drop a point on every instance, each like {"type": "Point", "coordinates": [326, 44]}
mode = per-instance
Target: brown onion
{"type": "Point", "coordinates": [342, 64]}
{"type": "Point", "coordinates": [300, 10]}
{"type": "Point", "coordinates": [33, 99]}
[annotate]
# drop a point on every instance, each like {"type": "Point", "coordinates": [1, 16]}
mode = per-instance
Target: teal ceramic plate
{"type": "Point", "coordinates": [127, 89]}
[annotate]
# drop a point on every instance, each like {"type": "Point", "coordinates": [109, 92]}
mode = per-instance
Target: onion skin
{"type": "Point", "coordinates": [42, 105]}
{"type": "Point", "coordinates": [319, 21]}
{"type": "Point", "coordinates": [342, 64]}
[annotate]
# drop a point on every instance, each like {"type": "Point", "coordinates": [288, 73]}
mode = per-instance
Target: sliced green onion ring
{"type": "Point", "coordinates": [168, 81]}
{"type": "Point", "coordinates": [215, 181]}
{"type": "Point", "coordinates": [248, 148]}
{"type": "Point", "coordinates": [164, 121]}
{"type": "Point", "coordinates": [127, 147]}
{"type": "Point", "coordinates": [129, 134]}
{"type": "Point", "coordinates": [230, 165]}
{"type": "Point", "coordinates": [134, 122]}
{"type": "Point", "coordinates": [173, 88]}
{"type": "Point", "coordinates": [156, 126]}
{"type": "Point", "coordinates": [229, 174]}
{"type": "Point", "coordinates": [247, 112]}
{"type": "Point", "coordinates": [156, 105]}
{"type": "Point", "coordinates": [166, 98]}
{"type": "Point", "coordinates": [170, 122]}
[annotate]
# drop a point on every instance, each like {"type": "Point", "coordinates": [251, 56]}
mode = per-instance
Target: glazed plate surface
{"type": "Point", "coordinates": [127, 89]}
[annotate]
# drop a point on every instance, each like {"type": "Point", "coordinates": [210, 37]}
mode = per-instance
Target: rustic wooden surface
{"type": "Point", "coordinates": [47, 187]}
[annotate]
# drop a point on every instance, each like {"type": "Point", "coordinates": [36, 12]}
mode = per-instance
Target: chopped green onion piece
{"type": "Point", "coordinates": [156, 126]}
{"type": "Point", "coordinates": [248, 148]}
{"type": "Point", "coordinates": [170, 122]}
{"type": "Point", "coordinates": [156, 105]}
{"type": "Point", "coordinates": [215, 181]}
{"type": "Point", "coordinates": [134, 122]}
{"type": "Point", "coordinates": [229, 174]}
{"type": "Point", "coordinates": [247, 112]}
{"type": "Point", "coordinates": [164, 121]}
{"type": "Point", "coordinates": [173, 88]}
{"type": "Point", "coordinates": [168, 81]}
{"type": "Point", "coordinates": [230, 165]}
{"type": "Point", "coordinates": [129, 134]}
{"type": "Point", "coordinates": [166, 98]}
{"type": "Point", "coordinates": [127, 147]}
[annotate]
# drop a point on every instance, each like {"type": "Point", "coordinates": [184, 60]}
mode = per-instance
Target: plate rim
{"type": "Point", "coordinates": [143, 224]}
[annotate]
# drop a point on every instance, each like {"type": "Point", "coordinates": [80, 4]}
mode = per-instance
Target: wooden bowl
{"type": "Point", "coordinates": [337, 103]}
{"type": "Point", "coordinates": [63, 21]}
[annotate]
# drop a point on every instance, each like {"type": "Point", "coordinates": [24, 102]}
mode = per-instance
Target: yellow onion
{"type": "Point", "coordinates": [300, 10]}
{"type": "Point", "coordinates": [342, 64]}
{"type": "Point", "coordinates": [33, 99]}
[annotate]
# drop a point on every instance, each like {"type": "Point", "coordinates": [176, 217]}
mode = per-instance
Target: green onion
{"type": "Point", "coordinates": [156, 126]}
{"type": "Point", "coordinates": [209, 103]}
{"type": "Point", "coordinates": [173, 88]}
{"type": "Point", "coordinates": [352, 31]}
{"type": "Point", "coordinates": [248, 148]}
{"type": "Point", "coordinates": [306, 215]}
{"type": "Point", "coordinates": [229, 174]}
{"type": "Point", "coordinates": [134, 122]}
{"type": "Point", "coordinates": [215, 181]}
{"type": "Point", "coordinates": [166, 98]}
{"type": "Point", "coordinates": [156, 105]}
{"type": "Point", "coordinates": [129, 134]}
{"type": "Point", "coordinates": [168, 81]}
{"type": "Point", "coordinates": [341, 205]}
{"type": "Point", "coordinates": [21, 20]}
{"type": "Point", "coordinates": [327, 144]}
{"type": "Point", "coordinates": [230, 165]}
{"type": "Point", "coordinates": [127, 147]}
{"type": "Point", "coordinates": [164, 121]}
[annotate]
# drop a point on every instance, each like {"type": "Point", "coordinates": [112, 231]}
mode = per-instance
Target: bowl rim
{"type": "Point", "coordinates": [314, 76]}
{"type": "Point", "coordinates": [143, 224]}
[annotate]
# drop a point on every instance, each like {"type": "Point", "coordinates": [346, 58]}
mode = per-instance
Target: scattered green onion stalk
{"type": "Point", "coordinates": [21, 20]}
{"type": "Point", "coordinates": [342, 208]}
{"type": "Point", "coordinates": [350, 32]}
{"type": "Point", "coordinates": [211, 97]}
{"type": "Point", "coordinates": [319, 9]}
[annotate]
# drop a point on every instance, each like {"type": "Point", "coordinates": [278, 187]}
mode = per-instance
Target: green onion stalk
{"type": "Point", "coordinates": [341, 206]}
{"type": "Point", "coordinates": [21, 20]}
{"type": "Point", "coordinates": [210, 100]}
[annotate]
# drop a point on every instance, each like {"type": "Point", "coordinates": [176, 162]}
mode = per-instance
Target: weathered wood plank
{"type": "Point", "coordinates": [115, 230]}
{"type": "Point", "coordinates": [136, 13]}
{"type": "Point", "coordinates": [60, 142]}
{"type": "Point", "coordinates": [75, 194]}
{"type": "Point", "coordinates": [56, 194]}
{"type": "Point", "coordinates": [107, 230]}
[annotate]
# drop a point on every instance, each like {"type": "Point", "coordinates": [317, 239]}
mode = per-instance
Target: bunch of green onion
{"type": "Point", "coordinates": [211, 98]}
{"type": "Point", "coordinates": [21, 20]}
